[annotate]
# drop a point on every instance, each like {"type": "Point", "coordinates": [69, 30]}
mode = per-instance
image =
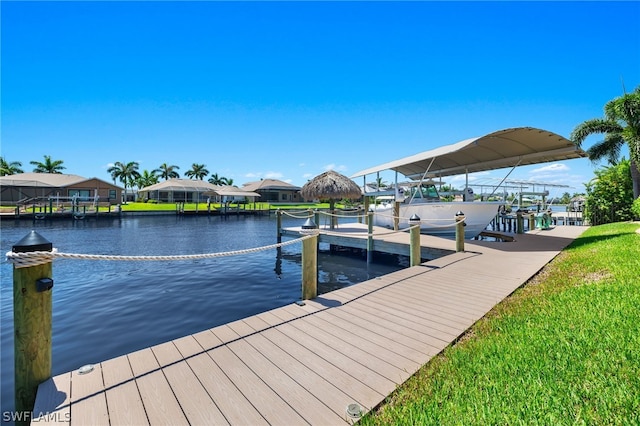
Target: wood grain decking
{"type": "Point", "coordinates": [306, 364]}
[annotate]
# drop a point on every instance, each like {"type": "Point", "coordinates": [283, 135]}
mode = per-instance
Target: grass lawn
{"type": "Point", "coordinates": [563, 349]}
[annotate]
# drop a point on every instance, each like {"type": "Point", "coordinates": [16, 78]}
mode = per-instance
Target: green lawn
{"type": "Point", "coordinates": [564, 349]}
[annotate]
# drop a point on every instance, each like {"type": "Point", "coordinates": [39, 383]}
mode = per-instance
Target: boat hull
{"type": "Point", "coordinates": [439, 218]}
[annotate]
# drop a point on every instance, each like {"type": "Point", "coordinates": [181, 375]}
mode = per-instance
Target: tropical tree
{"type": "Point", "coordinates": [620, 126]}
{"type": "Point", "coordinates": [226, 181]}
{"type": "Point", "coordinates": [9, 167]}
{"type": "Point", "coordinates": [215, 179]}
{"type": "Point", "coordinates": [146, 178]}
{"type": "Point", "coordinates": [197, 171]}
{"type": "Point", "coordinates": [126, 172]}
{"type": "Point", "coordinates": [167, 172]}
{"type": "Point", "coordinates": [610, 195]}
{"type": "Point", "coordinates": [48, 166]}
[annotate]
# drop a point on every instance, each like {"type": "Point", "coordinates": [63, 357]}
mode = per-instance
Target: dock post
{"type": "Point", "coordinates": [32, 323]}
{"type": "Point", "coordinates": [279, 225]}
{"type": "Point", "coordinates": [310, 260]}
{"type": "Point", "coordinates": [532, 221]}
{"type": "Point", "coordinates": [396, 215]}
{"type": "Point", "coordinates": [414, 243]}
{"type": "Point", "coordinates": [519, 222]}
{"type": "Point", "coordinates": [460, 231]}
{"type": "Point", "coordinates": [370, 236]}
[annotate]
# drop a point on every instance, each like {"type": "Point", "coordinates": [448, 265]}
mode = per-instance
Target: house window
{"type": "Point", "coordinates": [284, 197]}
{"type": "Point", "coordinates": [112, 194]}
{"type": "Point", "coordinates": [82, 194]}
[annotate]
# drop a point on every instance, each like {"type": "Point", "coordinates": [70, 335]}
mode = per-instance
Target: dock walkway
{"type": "Point", "coordinates": [305, 364]}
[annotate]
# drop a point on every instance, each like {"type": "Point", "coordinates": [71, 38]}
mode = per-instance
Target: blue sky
{"type": "Point", "coordinates": [287, 90]}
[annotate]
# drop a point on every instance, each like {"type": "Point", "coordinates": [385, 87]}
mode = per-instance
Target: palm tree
{"type": "Point", "coordinates": [127, 173]}
{"type": "Point", "coordinates": [9, 168]}
{"type": "Point", "coordinates": [146, 178]}
{"type": "Point", "coordinates": [167, 172]}
{"type": "Point", "coordinates": [620, 125]}
{"type": "Point", "coordinates": [197, 171]}
{"type": "Point", "coordinates": [48, 166]}
{"type": "Point", "coordinates": [226, 181]}
{"type": "Point", "coordinates": [215, 179]}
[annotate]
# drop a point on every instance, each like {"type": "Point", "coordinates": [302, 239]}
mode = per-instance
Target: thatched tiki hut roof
{"type": "Point", "coordinates": [333, 186]}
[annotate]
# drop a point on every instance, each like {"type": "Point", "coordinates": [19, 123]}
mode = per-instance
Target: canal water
{"type": "Point", "coordinates": [103, 309]}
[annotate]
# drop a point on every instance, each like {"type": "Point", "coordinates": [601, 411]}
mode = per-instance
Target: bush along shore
{"type": "Point", "coordinates": [563, 349]}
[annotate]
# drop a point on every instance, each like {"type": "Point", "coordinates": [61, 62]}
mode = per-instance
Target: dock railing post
{"type": "Point", "coordinates": [310, 260]}
{"type": "Point", "coordinates": [32, 323]}
{"type": "Point", "coordinates": [279, 225]}
{"type": "Point", "coordinates": [414, 243]}
{"type": "Point", "coordinates": [532, 221]}
{"type": "Point", "coordinates": [396, 215]}
{"type": "Point", "coordinates": [519, 222]}
{"type": "Point", "coordinates": [369, 236]}
{"type": "Point", "coordinates": [460, 231]}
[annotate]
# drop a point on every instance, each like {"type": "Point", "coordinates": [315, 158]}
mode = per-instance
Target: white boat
{"type": "Point", "coordinates": [502, 149]}
{"type": "Point", "coordinates": [436, 217]}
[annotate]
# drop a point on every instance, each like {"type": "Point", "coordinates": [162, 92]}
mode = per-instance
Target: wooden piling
{"type": "Point", "coordinates": [370, 236]}
{"type": "Point", "coordinates": [519, 223]}
{"type": "Point", "coordinates": [414, 244]}
{"type": "Point", "coordinates": [310, 268]}
{"type": "Point", "coordinates": [279, 225]}
{"type": "Point", "coordinates": [396, 215]}
{"type": "Point", "coordinates": [459, 233]}
{"type": "Point", "coordinates": [32, 316]}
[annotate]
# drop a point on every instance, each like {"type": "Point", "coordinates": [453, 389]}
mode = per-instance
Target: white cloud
{"type": "Point", "coordinates": [551, 168]}
{"type": "Point", "coordinates": [335, 168]}
{"type": "Point", "coordinates": [273, 175]}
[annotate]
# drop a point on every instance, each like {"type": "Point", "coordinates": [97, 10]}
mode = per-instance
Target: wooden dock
{"type": "Point", "coordinates": [355, 235]}
{"type": "Point", "coordinates": [305, 364]}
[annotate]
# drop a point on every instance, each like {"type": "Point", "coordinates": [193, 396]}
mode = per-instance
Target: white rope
{"type": "Point", "coordinates": [341, 215]}
{"type": "Point", "coordinates": [424, 221]}
{"type": "Point", "coordinates": [34, 258]}
{"type": "Point", "coordinates": [306, 214]}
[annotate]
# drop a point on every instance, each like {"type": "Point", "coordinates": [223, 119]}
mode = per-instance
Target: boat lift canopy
{"type": "Point", "coordinates": [501, 149]}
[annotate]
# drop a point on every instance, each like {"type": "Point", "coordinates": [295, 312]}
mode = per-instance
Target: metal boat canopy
{"type": "Point", "coordinates": [497, 150]}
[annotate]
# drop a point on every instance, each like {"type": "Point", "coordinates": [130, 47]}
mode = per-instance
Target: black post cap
{"type": "Point", "coordinates": [32, 242]}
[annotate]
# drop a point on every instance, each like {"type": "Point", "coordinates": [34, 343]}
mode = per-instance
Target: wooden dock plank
{"type": "Point", "coordinates": [333, 397]}
{"type": "Point", "coordinates": [53, 402]}
{"type": "Point", "coordinates": [310, 408]}
{"type": "Point", "coordinates": [230, 400]}
{"type": "Point", "coordinates": [197, 405]}
{"type": "Point", "coordinates": [123, 398]}
{"type": "Point", "coordinates": [273, 408]}
{"type": "Point", "coordinates": [366, 373]}
{"type": "Point", "coordinates": [344, 379]}
{"type": "Point", "coordinates": [88, 400]}
{"type": "Point", "coordinates": [159, 401]}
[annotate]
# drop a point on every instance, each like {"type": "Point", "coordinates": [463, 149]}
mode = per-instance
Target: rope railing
{"type": "Point", "coordinates": [429, 221]}
{"type": "Point", "coordinates": [34, 258]}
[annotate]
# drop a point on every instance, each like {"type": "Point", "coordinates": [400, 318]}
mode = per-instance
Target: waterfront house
{"type": "Point", "coordinates": [274, 191]}
{"type": "Point", "coordinates": [25, 188]}
{"type": "Point", "coordinates": [192, 191]}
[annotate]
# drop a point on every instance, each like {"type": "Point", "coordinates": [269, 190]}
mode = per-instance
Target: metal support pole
{"type": "Point", "coordinates": [32, 323]}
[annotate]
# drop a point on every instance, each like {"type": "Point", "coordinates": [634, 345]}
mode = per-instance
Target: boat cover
{"type": "Point", "coordinates": [497, 150]}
